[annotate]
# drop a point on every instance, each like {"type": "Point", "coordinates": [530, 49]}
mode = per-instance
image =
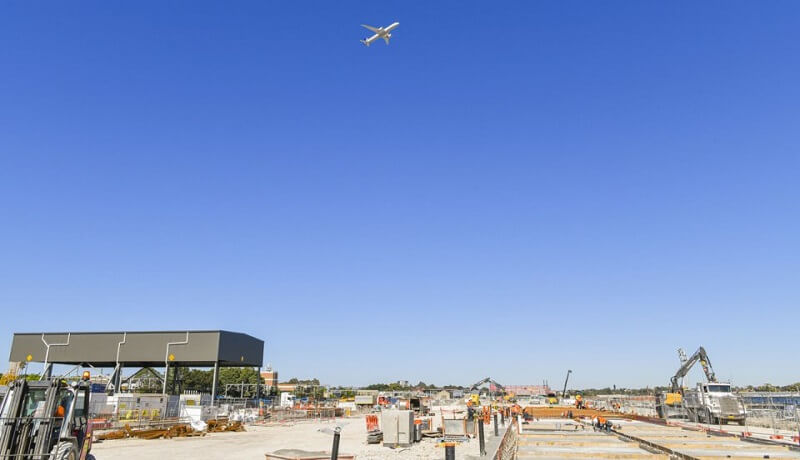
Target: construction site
{"type": "Point", "coordinates": [87, 402]}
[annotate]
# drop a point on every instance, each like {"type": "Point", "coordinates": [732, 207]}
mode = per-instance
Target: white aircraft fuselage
{"type": "Point", "coordinates": [380, 32]}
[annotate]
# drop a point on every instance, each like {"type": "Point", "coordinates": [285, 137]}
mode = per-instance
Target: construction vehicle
{"type": "Point", "coordinates": [498, 388]}
{"type": "Point", "coordinates": [564, 393]}
{"type": "Point", "coordinates": [46, 419]}
{"type": "Point", "coordinates": [552, 398]}
{"type": "Point", "coordinates": [710, 402]}
{"type": "Point", "coordinates": [714, 403]}
{"type": "Point", "coordinates": [475, 390]}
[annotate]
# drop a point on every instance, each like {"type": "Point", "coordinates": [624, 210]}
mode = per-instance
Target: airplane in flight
{"type": "Point", "coordinates": [380, 32]}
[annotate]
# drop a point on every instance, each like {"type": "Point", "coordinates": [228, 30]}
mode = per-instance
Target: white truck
{"type": "Point", "coordinates": [710, 402]}
{"type": "Point", "coordinates": [287, 400]}
{"type": "Point", "coordinates": [713, 402]}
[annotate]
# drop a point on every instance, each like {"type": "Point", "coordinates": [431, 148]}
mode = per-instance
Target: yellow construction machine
{"type": "Point", "coordinates": [475, 399]}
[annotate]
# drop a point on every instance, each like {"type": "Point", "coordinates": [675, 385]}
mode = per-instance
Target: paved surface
{"type": "Point", "coordinates": [561, 438]}
{"type": "Point", "coordinates": [785, 436]}
{"type": "Point", "coordinates": [702, 445]}
{"type": "Point", "coordinates": [564, 438]}
{"type": "Point", "coordinates": [258, 440]}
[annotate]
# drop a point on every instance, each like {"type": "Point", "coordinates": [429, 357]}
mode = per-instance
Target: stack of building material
{"type": "Point", "coordinates": [174, 431]}
{"type": "Point", "coordinates": [223, 424]}
{"type": "Point", "coordinates": [375, 437]}
{"type": "Point", "coordinates": [297, 454]}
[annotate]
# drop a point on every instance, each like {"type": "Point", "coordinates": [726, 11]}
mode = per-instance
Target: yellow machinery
{"type": "Point", "coordinates": [475, 399]}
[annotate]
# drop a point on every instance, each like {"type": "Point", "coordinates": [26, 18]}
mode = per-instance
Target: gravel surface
{"type": "Point", "coordinates": [258, 440]}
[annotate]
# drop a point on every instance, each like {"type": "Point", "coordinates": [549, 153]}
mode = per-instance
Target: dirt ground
{"type": "Point", "coordinates": [258, 440]}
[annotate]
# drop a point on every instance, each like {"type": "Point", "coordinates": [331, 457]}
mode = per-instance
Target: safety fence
{"type": "Point", "coordinates": [142, 411]}
{"type": "Point", "coordinates": [778, 411]}
{"type": "Point", "coordinates": [507, 450]}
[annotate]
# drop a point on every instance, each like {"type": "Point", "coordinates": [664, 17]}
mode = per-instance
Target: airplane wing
{"type": "Point", "coordinates": [386, 37]}
{"type": "Point", "coordinates": [374, 29]}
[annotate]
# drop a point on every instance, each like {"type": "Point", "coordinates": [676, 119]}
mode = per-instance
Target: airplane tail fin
{"type": "Point", "coordinates": [365, 42]}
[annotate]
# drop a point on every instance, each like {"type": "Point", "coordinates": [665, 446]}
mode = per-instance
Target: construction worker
{"type": "Point", "coordinates": [601, 421]}
{"type": "Point", "coordinates": [61, 410]}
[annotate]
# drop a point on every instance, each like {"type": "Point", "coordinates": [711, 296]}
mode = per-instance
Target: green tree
{"type": "Point", "coordinates": [793, 387]}
{"type": "Point", "coordinates": [197, 380]}
{"type": "Point", "coordinates": [237, 376]}
{"type": "Point", "coordinates": [767, 387]}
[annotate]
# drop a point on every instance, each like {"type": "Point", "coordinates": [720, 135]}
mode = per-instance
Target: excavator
{"type": "Point", "coordinates": [475, 392]}
{"type": "Point", "coordinates": [710, 402]}
{"type": "Point", "coordinates": [46, 419]}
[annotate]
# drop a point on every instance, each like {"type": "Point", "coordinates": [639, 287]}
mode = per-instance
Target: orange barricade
{"type": "Point", "coordinates": [372, 423]}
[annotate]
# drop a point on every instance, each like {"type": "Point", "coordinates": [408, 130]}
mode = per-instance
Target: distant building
{"type": "Point", "coordinates": [15, 368]}
{"type": "Point", "coordinates": [366, 397]}
{"type": "Point", "coordinates": [270, 378]}
{"type": "Point", "coordinates": [528, 390]}
{"type": "Point", "coordinates": [287, 387]}
{"type": "Point", "coordinates": [442, 395]}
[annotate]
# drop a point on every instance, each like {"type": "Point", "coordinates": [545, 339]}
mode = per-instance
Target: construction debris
{"type": "Point", "coordinates": [223, 424]}
{"type": "Point", "coordinates": [181, 430]}
{"type": "Point", "coordinates": [297, 454]}
{"type": "Point", "coordinates": [175, 431]}
{"type": "Point", "coordinates": [375, 437]}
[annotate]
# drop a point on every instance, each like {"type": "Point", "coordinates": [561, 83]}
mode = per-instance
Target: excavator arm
{"type": "Point", "coordinates": [486, 380]}
{"type": "Point", "coordinates": [699, 355]}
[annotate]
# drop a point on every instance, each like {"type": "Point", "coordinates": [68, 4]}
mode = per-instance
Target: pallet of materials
{"type": "Point", "coordinates": [297, 454]}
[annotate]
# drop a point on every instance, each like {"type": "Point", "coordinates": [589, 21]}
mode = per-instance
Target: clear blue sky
{"type": "Point", "coordinates": [508, 189]}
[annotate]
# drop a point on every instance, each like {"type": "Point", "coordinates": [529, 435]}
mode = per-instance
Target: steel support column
{"type": "Point", "coordinates": [258, 385]}
{"type": "Point", "coordinates": [214, 382]}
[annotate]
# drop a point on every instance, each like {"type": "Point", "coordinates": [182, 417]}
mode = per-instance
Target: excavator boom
{"type": "Point", "coordinates": [699, 356]}
{"type": "Point", "coordinates": [487, 380]}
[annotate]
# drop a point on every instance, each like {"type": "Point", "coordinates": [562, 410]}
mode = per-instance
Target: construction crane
{"type": "Point", "coordinates": [564, 393]}
{"type": "Point", "coordinates": [687, 364]}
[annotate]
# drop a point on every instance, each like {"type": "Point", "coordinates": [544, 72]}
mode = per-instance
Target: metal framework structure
{"type": "Point", "coordinates": [119, 350]}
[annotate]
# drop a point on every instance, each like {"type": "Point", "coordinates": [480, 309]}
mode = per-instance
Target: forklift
{"type": "Point", "coordinates": [46, 420]}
